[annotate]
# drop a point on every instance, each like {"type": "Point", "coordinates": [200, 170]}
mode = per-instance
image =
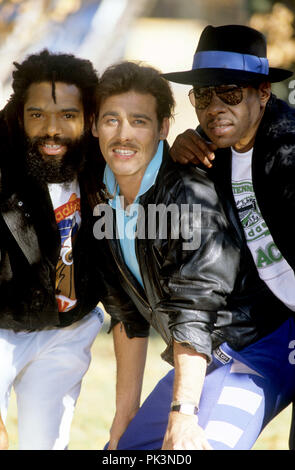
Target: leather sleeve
{"type": "Point", "coordinates": [197, 282]}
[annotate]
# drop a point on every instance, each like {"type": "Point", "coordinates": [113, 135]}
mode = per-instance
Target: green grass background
{"type": "Point", "coordinates": [95, 407]}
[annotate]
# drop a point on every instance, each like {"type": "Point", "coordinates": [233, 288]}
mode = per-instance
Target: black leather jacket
{"type": "Point", "coordinates": [29, 251]}
{"type": "Point", "coordinates": [200, 297]}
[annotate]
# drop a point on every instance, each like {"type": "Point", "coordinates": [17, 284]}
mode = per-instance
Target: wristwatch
{"type": "Point", "coordinates": [186, 408]}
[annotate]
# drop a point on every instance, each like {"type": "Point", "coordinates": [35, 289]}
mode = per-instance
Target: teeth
{"type": "Point", "coordinates": [52, 146]}
{"type": "Point", "coordinates": [124, 152]}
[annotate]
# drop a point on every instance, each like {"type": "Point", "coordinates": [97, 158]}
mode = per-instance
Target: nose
{"type": "Point", "coordinates": [216, 105]}
{"type": "Point", "coordinates": [125, 131]}
{"type": "Point", "coordinates": [52, 126]}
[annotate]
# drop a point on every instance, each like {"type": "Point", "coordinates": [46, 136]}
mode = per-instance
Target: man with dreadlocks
{"type": "Point", "coordinates": [48, 286]}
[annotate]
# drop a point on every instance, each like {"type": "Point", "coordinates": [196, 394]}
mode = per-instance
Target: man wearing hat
{"type": "Point", "coordinates": [254, 141]}
{"type": "Point", "coordinates": [250, 377]}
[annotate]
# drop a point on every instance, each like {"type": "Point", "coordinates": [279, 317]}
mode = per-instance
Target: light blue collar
{"type": "Point", "coordinates": [147, 182]}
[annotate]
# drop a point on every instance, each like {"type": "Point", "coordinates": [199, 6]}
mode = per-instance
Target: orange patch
{"type": "Point", "coordinates": [68, 208]}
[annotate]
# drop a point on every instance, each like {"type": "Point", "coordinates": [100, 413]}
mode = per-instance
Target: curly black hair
{"type": "Point", "coordinates": [51, 67]}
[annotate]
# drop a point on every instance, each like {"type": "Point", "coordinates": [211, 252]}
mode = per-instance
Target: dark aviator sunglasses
{"type": "Point", "coordinates": [200, 98]}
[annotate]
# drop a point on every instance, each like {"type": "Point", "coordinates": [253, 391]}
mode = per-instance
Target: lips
{"type": "Point", "coordinates": [52, 149]}
{"type": "Point", "coordinates": [220, 128]}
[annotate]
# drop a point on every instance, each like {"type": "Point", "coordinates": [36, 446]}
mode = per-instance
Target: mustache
{"type": "Point", "coordinates": [217, 121]}
{"type": "Point", "coordinates": [130, 145]}
{"type": "Point", "coordinates": [41, 140]}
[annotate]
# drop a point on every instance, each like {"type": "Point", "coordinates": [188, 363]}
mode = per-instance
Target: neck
{"type": "Point", "coordinates": [247, 143]}
{"type": "Point", "coordinates": [243, 148]}
{"type": "Point", "coordinates": [129, 187]}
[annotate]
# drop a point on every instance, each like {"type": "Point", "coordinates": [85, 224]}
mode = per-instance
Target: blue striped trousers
{"type": "Point", "coordinates": [242, 392]}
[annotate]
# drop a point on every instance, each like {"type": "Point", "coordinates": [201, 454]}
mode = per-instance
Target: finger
{"type": "Point", "coordinates": [206, 445]}
{"type": "Point", "coordinates": [194, 156]}
{"type": "Point", "coordinates": [193, 445]}
{"type": "Point", "coordinates": [3, 439]}
{"type": "Point", "coordinates": [212, 147]}
{"type": "Point", "coordinates": [197, 152]}
{"type": "Point", "coordinates": [113, 444]}
{"type": "Point", "coordinates": [200, 158]}
{"type": "Point", "coordinates": [189, 145]}
{"type": "Point", "coordinates": [203, 148]}
{"type": "Point", "coordinates": [203, 160]}
{"type": "Point", "coordinates": [179, 158]}
{"type": "Point", "coordinates": [189, 445]}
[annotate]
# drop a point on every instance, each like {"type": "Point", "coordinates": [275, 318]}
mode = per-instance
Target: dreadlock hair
{"type": "Point", "coordinates": [66, 68]}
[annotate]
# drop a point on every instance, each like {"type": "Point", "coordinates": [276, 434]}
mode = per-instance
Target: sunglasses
{"type": "Point", "coordinates": [200, 98]}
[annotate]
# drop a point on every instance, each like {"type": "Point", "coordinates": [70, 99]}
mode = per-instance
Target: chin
{"type": "Point", "coordinates": [50, 158]}
{"type": "Point", "coordinates": [123, 170]}
{"type": "Point", "coordinates": [224, 145]}
{"type": "Point", "coordinates": [223, 142]}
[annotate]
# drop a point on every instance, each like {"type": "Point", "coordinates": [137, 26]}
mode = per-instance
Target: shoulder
{"type": "Point", "coordinates": [279, 120]}
{"type": "Point", "coordinates": [276, 136]}
{"type": "Point", "coordinates": [185, 184]}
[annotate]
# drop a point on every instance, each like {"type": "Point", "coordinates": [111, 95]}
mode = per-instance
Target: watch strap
{"type": "Point", "coordinates": [186, 408]}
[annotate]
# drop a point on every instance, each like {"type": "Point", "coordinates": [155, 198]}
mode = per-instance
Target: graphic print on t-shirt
{"type": "Point", "coordinates": [68, 220]}
{"type": "Point", "coordinates": [271, 265]}
{"type": "Point", "coordinates": [65, 283]}
{"type": "Point", "coordinates": [249, 213]}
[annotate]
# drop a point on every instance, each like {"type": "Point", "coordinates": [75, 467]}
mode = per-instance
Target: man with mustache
{"type": "Point", "coordinates": [48, 287]}
{"type": "Point", "coordinates": [247, 148]}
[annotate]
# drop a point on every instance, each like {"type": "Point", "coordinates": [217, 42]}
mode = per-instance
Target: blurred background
{"type": "Point", "coordinates": [162, 33]}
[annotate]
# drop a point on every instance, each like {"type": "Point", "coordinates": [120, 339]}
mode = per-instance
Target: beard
{"type": "Point", "coordinates": [55, 170]}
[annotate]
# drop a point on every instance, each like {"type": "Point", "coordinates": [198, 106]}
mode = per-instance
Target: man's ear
{"type": "Point", "coordinates": [93, 127]}
{"type": "Point", "coordinates": [164, 128]}
{"type": "Point", "coordinates": [264, 93]}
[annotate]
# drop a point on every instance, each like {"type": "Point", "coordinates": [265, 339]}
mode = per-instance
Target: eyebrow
{"type": "Point", "coordinates": [110, 113]}
{"type": "Point", "coordinates": [144, 116]}
{"type": "Point", "coordinates": [72, 110]}
{"type": "Point", "coordinates": [64, 110]}
{"type": "Point", "coordinates": [33, 108]}
{"type": "Point", "coordinates": [135, 115]}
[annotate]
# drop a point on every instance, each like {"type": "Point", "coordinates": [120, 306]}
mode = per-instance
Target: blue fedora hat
{"type": "Point", "coordinates": [229, 54]}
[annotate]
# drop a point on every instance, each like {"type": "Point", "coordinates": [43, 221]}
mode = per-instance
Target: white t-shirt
{"type": "Point", "coordinates": [271, 266]}
{"type": "Point", "coordinates": [66, 203]}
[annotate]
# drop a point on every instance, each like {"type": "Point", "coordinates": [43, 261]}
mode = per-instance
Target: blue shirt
{"type": "Point", "coordinates": [127, 220]}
